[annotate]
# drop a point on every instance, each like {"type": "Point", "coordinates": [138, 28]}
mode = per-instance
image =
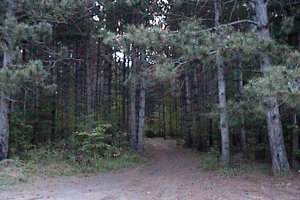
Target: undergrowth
{"type": "Point", "coordinates": [96, 150]}
{"type": "Point", "coordinates": [239, 165]}
{"type": "Point", "coordinates": [55, 163]}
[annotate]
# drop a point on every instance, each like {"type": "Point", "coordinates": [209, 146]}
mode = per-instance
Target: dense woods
{"type": "Point", "coordinates": [213, 74]}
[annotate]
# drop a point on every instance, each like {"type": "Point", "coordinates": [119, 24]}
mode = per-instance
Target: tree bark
{"type": "Point", "coordinates": [170, 112]}
{"type": "Point", "coordinates": [4, 126]}
{"type": "Point", "coordinates": [89, 91]}
{"type": "Point", "coordinates": [199, 135]}
{"type": "Point", "coordinates": [163, 111]}
{"type": "Point", "coordinates": [4, 102]}
{"type": "Point", "coordinates": [124, 94]}
{"type": "Point", "coordinates": [242, 128]}
{"type": "Point", "coordinates": [141, 118]}
{"type": "Point", "coordinates": [278, 152]}
{"type": "Point", "coordinates": [187, 113]}
{"type": "Point", "coordinates": [107, 89]}
{"type": "Point", "coordinates": [132, 118]}
{"type": "Point", "coordinates": [295, 142]}
{"type": "Point", "coordinates": [225, 145]}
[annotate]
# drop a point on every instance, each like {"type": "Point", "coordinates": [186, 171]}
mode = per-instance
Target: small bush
{"type": "Point", "coordinates": [210, 160]}
{"type": "Point", "coordinates": [100, 142]}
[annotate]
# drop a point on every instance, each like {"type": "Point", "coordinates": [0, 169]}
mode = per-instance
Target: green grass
{"type": "Point", "coordinates": [11, 172]}
{"type": "Point", "coordinates": [54, 163]}
{"type": "Point", "coordinates": [128, 159]}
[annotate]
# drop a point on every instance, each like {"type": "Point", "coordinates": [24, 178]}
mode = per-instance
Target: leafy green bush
{"type": "Point", "coordinates": [100, 142]}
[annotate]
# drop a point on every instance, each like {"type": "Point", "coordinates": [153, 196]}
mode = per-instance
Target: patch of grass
{"type": "Point", "coordinates": [11, 172]}
{"type": "Point", "coordinates": [56, 163]}
{"type": "Point", "coordinates": [239, 165]}
{"type": "Point", "coordinates": [49, 162]}
{"type": "Point", "coordinates": [128, 159]}
{"type": "Point", "coordinates": [247, 168]}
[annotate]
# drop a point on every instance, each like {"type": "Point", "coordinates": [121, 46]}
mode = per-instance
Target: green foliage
{"type": "Point", "coordinates": [20, 32]}
{"type": "Point", "coordinates": [11, 78]}
{"type": "Point", "coordinates": [210, 160]}
{"type": "Point", "coordinates": [52, 161]}
{"type": "Point", "coordinates": [100, 142]}
{"type": "Point", "coordinates": [20, 135]}
{"type": "Point", "coordinates": [278, 81]}
{"type": "Point", "coordinates": [287, 24]}
{"type": "Point", "coordinates": [239, 164]}
{"type": "Point", "coordinates": [165, 70]}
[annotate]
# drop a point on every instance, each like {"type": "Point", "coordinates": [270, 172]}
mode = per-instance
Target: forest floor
{"type": "Point", "coordinates": [170, 173]}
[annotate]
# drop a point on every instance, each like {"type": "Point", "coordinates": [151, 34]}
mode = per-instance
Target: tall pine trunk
{"type": "Point", "coordinates": [295, 142]}
{"type": "Point", "coordinates": [187, 112]}
{"type": "Point", "coordinates": [278, 152]}
{"type": "Point", "coordinates": [199, 135]}
{"type": "Point", "coordinates": [4, 126]}
{"type": "Point", "coordinates": [163, 111]}
{"type": "Point", "coordinates": [141, 116]}
{"type": "Point", "coordinates": [243, 135]}
{"type": "Point", "coordinates": [4, 102]}
{"type": "Point", "coordinates": [225, 145]}
{"type": "Point", "coordinates": [132, 112]}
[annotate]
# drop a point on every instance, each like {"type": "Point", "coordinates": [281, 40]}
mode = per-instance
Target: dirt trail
{"type": "Point", "coordinates": [171, 173]}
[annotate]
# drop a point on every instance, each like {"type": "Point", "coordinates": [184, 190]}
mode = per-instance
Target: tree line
{"type": "Point", "coordinates": [214, 73]}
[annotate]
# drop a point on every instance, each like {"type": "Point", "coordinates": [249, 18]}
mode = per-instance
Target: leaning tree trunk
{"type": "Point", "coordinates": [141, 118]}
{"type": "Point", "coordinates": [278, 152]}
{"type": "Point", "coordinates": [225, 154]}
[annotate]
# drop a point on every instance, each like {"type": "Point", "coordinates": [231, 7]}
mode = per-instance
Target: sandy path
{"type": "Point", "coordinates": [171, 173]}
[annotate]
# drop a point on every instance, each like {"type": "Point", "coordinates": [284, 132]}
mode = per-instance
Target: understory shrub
{"type": "Point", "coordinates": [96, 149]}
{"type": "Point", "coordinates": [240, 165]}
{"type": "Point", "coordinates": [210, 160]}
{"type": "Point", "coordinates": [100, 142]}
